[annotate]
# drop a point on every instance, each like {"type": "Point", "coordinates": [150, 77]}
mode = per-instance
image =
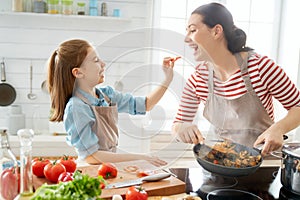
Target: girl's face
{"type": "Point", "coordinates": [198, 37]}
{"type": "Point", "coordinates": [92, 69]}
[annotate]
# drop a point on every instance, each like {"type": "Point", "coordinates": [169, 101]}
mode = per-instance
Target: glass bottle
{"type": "Point", "coordinates": [8, 169]}
{"type": "Point", "coordinates": [67, 7]}
{"type": "Point", "coordinates": [26, 183]}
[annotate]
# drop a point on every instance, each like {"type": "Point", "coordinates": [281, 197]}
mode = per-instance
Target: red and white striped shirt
{"type": "Point", "coordinates": [268, 80]}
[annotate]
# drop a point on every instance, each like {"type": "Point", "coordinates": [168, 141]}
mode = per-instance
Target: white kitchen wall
{"type": "Point", "coordinates": [30, 38]}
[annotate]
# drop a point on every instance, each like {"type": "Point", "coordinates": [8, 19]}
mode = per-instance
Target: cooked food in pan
{"type": "Point", "coordinates": [224, 153]}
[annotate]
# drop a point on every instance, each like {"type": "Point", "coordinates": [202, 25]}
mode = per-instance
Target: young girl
{"type": "Point", "coordinates": [90, 113]}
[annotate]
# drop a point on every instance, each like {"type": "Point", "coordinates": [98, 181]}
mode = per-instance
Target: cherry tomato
{"type": "Point", "coordinates": [69, 162]}
{"type": "Point", "coordinates": [9, 183]}
{"type": "Point", "coordinates": [107, 170]}
{"type": "Point", "coordinates": [53, 170]}
{"type": "Point", "coordinates": [65, 177]}
{"type": "Point", "coordinates": [38, 165]}
{"type": "Point", "coordinates": [136, 193]}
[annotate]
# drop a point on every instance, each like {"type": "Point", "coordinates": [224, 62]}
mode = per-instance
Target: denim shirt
{"type": "Point", "coordinates": [79, 117]}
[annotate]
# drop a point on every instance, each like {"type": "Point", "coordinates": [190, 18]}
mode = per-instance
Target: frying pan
{"type": "Point", "coordinates": [7, 92]}
{"type": "Point", "coordinates": [201, 150]}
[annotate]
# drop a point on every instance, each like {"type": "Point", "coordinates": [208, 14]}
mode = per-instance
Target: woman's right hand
{"type": "Point", "coordinates": [187, 133]}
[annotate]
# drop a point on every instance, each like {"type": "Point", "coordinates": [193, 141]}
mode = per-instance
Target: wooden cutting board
{"type": "Point", "coordinates": [164, 187]}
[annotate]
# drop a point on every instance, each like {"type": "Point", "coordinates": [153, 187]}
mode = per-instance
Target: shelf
{"type": "Point", "coordinates": [59, 21]}
{"type": "Point", "coordinates": [61, 16]}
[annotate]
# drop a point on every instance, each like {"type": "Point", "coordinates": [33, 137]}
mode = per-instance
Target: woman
{"type": "Point", "coordinates": [90, 113]}
{"type": "Point", "coordinates": [235, 84]}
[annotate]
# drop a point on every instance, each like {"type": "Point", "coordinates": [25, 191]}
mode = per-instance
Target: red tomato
{"type": "Point", "coordinates": [107, 170]}
{"type": "Point", "coordinates": [38, 165]}
{"type": "Point", "coordinates": [65, 177]}
{"type": "Point", "coordinates": [69, 162]}
{"type": "Point", "coordinates": [53, 170]}
{"type": "Point", "coordinates": [136, 193]}
{"type": "Point", "coordinates": [9, 183]}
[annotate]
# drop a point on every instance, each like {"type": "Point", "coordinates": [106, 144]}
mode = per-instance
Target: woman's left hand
{"type": "Point", "coordinates": [272, 139]}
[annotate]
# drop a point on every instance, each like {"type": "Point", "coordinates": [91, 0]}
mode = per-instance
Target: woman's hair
{"type": "Point", "coordinates": [70, 54]}
{"type": "Point", "coordinates": [215, 13]}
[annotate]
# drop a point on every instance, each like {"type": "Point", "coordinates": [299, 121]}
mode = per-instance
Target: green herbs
{"type": "Point", "coordinates": [83, 187]}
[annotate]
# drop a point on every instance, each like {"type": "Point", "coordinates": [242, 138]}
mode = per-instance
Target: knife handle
{"type": "Point", "coordinates": [156, 177]}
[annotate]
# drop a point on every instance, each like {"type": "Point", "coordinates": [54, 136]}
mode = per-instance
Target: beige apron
{"type": "Point", "coordinates": [241, 120]}
{"type": "Point", "coordinates": [105, 126]}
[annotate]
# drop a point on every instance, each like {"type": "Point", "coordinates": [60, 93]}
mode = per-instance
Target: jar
{"type": "Point", "coordinates": [27, 6]}
{"type": "Point", "coordinates": [93, 7]}
{"type": "Point", "coordinates": [53, 6]}
{"type": "Point", "coordinates": [67, 7]}
{"type": "Point", "coordinates": [103, 9]}
{"type": "Point", "coordinates": [17, 5]}
{"type": "Point", "coordinates": [16, 119]}
{"type": "Point", "coordinates": [80, 8]}
{"type": "Point", "coordinates": [39, 6]}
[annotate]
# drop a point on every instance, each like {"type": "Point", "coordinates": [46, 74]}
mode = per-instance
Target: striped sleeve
{"type": "Point", "coordinates": [278, 83]}
{"type": "Point", "coordinates": [189, 100]}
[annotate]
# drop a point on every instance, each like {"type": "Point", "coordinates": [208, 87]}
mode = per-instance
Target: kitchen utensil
{"type": "Point", "coordinates": [44, 87]}
{"type": "Point", "coordinates": [201, 150]}
{"type": "Point", "coordinates": [231, 194]}
{"type": "Point", "coordinates": [30, 95]}
{"type": "Point", "coordinates": [151, 178]}
{"type": "Point", "coordinates": [290, 166]}
{"type": "Point", "coordinates": [7, 92]}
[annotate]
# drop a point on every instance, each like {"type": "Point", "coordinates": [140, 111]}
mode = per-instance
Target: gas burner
{"type": "Point", "coordinates": [231, 194]}
{"type": "Point", "coordinates": [214, 182]}
{"type": "Point", "coordinates": [284, 194]}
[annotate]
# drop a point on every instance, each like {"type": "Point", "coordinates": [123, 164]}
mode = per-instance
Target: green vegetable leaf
{"type": "Point", "coordinates": [83, 187]}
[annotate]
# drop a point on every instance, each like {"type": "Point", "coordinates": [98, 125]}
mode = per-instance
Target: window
{"type": "Point", "coordinates": [259, 19]}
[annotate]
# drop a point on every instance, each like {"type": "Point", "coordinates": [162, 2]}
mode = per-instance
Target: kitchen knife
{"type": "Point", "coordinates": [151, 178]}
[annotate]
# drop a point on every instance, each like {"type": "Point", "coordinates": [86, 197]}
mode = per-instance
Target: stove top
{"type": "Point", "coordinates": [264, 183]}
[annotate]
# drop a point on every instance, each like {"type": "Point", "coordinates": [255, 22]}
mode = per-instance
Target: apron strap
{"type": "Point", "coordinates": [243, 63]}
{"type": "Point", "coordinates": [210, 79]}
{"type": "Point", "coordinates": [106, 98]}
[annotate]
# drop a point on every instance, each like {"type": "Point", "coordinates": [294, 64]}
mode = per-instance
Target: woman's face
{"type": "Point", "coordinates": [198, 37]}
{"type": "Point", "coordinates": [92, 68]}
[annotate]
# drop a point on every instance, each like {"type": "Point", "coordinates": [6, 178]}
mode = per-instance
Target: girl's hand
{"type": "Point", "coordinates": [168, 64]}
{"type": "Point", "coordinates": [156, 161]}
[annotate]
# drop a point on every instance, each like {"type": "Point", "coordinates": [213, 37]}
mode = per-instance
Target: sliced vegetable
{"type": "Point", "coordinates": [65, 177]}
{"type": "Point", "coordinates": [176, 58]}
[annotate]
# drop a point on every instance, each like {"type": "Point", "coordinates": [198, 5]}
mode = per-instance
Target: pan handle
{"type": "Point", "coordinates": [3, 78]}
{"type": "Point", "coordinates": [277, 154]}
